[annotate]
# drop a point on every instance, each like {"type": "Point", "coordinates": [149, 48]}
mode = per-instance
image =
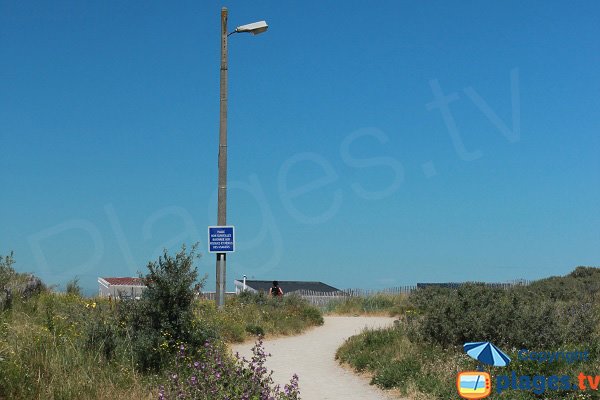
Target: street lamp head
{"type": "Point", "coordinates": [254, 28]}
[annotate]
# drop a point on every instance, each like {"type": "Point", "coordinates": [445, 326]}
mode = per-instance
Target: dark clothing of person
{"type": "Point", "coordinates": [276, 291]}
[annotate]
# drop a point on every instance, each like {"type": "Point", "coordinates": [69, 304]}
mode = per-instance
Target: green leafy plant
{"type": "Point", "coordinates": [163, 317]}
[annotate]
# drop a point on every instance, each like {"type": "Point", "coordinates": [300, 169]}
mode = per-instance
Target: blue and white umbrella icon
{"type": "Point", "coordinates": [487, 353]}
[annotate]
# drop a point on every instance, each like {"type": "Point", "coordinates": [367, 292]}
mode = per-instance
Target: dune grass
{"type": "Point", "coordinates": [427, 371]}
{"type": "Point", "coordinates": [377, 304]}
{"type": "Point", "coordinates": [58, 346]}
{"type": "Point", "coordinates": [421, 356]}
{"type": "Point", "coordinates": [248, 315]}
{"type": "Point", "coordinates": [44, 354]}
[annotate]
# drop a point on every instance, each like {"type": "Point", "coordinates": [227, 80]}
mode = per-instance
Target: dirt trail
{"type": "Point", "coordinates": [312, 357]}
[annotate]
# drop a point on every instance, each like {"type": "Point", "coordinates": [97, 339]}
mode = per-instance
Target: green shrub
{"type": "Point", "coordinates": [521, 316]}
{"type": "Point", "coordinates": [255, 330]}
{"type": "Point", "coordinates": [312, 315]}
{"type": "Point", "coordinates": [370, 349]}
{"type": "Point", "coordinates": [163, 318]}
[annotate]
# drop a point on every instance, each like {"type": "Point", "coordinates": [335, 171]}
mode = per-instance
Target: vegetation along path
{"type": "Point", "coordinates": [312, 357]}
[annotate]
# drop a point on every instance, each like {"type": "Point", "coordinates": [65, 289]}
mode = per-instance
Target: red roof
{"type": "Point", "coordinates": [126, 281]}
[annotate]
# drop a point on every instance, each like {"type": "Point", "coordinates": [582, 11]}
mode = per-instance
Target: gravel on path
{"type": "Point", "coordinates": [312, 356]}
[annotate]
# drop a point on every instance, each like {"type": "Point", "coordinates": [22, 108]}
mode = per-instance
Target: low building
{"type": "Point", "coordinates": [303, 287]}
{"type": "Point", "coordinates": [125, 287]}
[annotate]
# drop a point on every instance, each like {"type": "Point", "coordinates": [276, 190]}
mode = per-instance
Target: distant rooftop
{"type": "Point", "coordinates": [125, 281]}
{"type": "Point", "coordinates": [288, 286]}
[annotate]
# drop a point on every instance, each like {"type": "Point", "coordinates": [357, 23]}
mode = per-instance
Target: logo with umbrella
{"type": "Point", "coordinates": [477, 384]}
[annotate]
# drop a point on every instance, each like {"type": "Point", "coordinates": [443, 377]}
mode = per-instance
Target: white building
{"type": "Point", "coordinates": [125, 287]}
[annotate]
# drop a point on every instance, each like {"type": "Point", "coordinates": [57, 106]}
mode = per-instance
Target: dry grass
{"type": "Point", "coordinates": [375, 305]}
{"type": "Point", "coordinates": [39, 362]}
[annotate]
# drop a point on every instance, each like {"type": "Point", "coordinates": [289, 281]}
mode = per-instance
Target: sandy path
{"type": "Point", "coordinates": [312, 357]}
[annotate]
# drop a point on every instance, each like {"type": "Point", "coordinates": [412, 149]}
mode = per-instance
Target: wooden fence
{"type": "Point", "coordinates": [391, 291]}
{"type": "Point", "coordinates": [318, 299]}
{"type": "Point", "coordinates": [211, 295]}
{"type": "Point", "coordinates": [323, 299]}
{"type": "Point", "coordinates": [456, 285]}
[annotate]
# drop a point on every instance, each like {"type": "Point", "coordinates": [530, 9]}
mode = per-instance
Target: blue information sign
{"type": "Point", "coordinates": [221, 239]}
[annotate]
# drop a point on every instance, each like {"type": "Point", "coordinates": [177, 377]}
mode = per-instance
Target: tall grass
{"type": "Point", "coordinates": [377, 304]}
{"type": "Point", "coordinates": [43, 354]}
{"type": "Point", "coordinates": [250, 314]}
{"type": "Point", "coordinates": [57, 346]}
{"type": "Point", "coordinates": [61, 346]}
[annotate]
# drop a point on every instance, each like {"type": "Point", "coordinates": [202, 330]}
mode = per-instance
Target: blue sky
{"type": "Point", "coordinates": [370, 145]}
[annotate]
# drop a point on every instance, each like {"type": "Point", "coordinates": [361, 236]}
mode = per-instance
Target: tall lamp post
{"type": "Point", "coordinates": [254, 28]}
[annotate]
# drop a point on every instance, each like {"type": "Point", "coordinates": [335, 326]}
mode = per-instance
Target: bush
{"type": "Point", "coordinates": [312, 315]}
{"type": "Point", "coordinates": [369, 349]}
{"type": "Point", "coordinates": [170, 292]}
{"type": "Point", "coordinates": [535, 316]}
{"type": "Point", "coordinates": [255, 330]}
{"type": "Point", "coordinates": [163, 318]}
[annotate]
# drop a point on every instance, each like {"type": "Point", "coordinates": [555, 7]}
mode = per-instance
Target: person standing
{"type": "Point", "coordinates": [275, 290]}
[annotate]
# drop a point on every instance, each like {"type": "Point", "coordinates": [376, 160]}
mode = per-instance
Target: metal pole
{"type": "Point", "coordinates": [222, 196]}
